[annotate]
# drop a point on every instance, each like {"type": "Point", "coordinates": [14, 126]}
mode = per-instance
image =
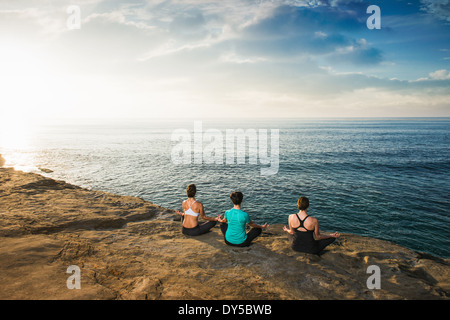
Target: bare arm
{"type": "Point", "coordinates": [320, 236]}
{"type": "Point", "coordinates": [181, 213]}
{"type": "Point", "coordinates": [203, 215]}
{"type": "Point", "coordinates": [289, 229]}
{"type": "Point", "coordinates": [254, 225]}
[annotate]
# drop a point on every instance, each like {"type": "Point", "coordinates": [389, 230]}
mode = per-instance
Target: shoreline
{"type": "Point", "coordinates": [129, 248]}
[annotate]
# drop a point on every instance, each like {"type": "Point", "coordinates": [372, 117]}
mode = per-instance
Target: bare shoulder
{"type": "Point", "coordinates": [293, 221]}
{"type": "Point", "coordinates": [197, 204]}
{"type": "Point", "coordinates": [311, 222]}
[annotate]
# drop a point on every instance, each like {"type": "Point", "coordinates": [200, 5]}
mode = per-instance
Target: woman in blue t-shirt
{"type": "Point", "coordinates": [234, 221]}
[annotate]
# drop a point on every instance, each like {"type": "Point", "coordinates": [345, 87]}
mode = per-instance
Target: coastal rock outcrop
{"type": "Point", "coordinates": [129, 248]}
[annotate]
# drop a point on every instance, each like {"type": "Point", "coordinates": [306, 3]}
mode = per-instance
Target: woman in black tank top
{"type": "Point", "coordinates": [307, 238]}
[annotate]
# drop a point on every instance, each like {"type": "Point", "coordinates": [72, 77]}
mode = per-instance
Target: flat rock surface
{"type": "Point", "coordinates": [128, 248]}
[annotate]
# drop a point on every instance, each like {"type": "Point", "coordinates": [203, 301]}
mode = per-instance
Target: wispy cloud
{"type": "Point", "coordinates": [442, 74]}
{"type": "Point", "coordinates": [437, 8]}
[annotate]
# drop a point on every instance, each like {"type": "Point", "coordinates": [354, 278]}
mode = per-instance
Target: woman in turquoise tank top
{"type": "Point", "coordinates": [234, 221]}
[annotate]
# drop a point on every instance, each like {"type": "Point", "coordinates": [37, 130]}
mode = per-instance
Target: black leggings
{"type": "Point", "coordinates": [252, 234]}
{"type": "Point", "coordinates": [304, 242]}
{"type": "Point", "coordinates": [199, 229]}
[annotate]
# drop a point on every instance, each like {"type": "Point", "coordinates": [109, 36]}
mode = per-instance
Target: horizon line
{"type": "Point", "coordinates": [236, 118]}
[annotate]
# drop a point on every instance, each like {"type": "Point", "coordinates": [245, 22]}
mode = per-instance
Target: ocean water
{"type": "Point", "coordinates": [383, 178]}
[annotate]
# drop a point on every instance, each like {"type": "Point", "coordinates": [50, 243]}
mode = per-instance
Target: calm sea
{"type": "Point", "coordinates": [383, 178]}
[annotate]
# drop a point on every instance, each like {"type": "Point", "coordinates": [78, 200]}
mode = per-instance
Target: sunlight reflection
{"type": "Point", "coordinates": [14, 134]}
{"type": "Point", "coordinates": [15, 142]}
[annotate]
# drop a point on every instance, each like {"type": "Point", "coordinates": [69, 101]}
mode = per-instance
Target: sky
{"type": "Point", "coordinates": [228, 59]}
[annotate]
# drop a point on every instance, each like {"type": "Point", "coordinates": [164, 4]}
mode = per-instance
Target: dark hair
{"type": "Point", "coordinates": [303, 203]}
{"type": "Point", "coordinates": [236, 197]}
{"type": "Point", "coordinates": [191, 190]}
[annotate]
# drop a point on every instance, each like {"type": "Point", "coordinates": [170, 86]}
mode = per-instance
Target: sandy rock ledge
{"type": "Point", "coordinates": [128, 248]}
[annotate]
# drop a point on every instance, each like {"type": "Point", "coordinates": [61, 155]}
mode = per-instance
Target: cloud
{"type": "Point", "coordinates": [437, 8]}
{"type": "Point", "coordinates": [292, 20]}
{"type": "Point", "coordinates": [29, 23]}
{"type": "Point", "coordinates": [442, 74]}
{"type": "Point", "coordinates": [248, 29]}
{"type": "Point", "coordinates": [359, 53]}
{"type": "Point", "coordinates": [320, 32]}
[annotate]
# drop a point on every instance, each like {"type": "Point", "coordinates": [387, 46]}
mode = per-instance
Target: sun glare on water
{"type": "Point", "coordinates": [25, 91]}
{"type": "Point", "coordinates": [14, 142]}
{"type": "Point", "coordinates": [14, 134]}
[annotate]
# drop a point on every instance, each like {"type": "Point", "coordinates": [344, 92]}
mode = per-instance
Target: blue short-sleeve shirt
{"type": "Point", "coordinates": [237, 219]}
